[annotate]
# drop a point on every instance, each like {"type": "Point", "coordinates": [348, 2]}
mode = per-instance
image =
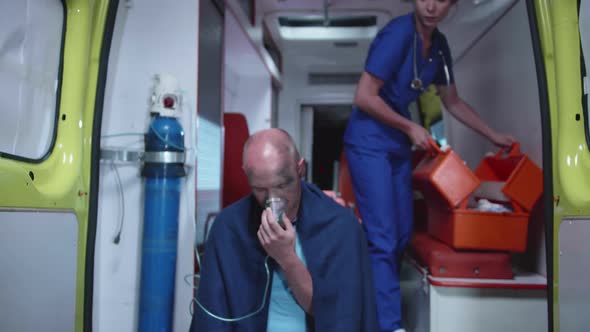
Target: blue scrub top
{"type": "Point", "coordinates": [390, 59]}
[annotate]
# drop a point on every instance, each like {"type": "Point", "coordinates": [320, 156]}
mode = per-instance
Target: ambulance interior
{"type": "Point", "coordinates": [492, 59]}
{"type": "Point", "coordinates": [247, 65]}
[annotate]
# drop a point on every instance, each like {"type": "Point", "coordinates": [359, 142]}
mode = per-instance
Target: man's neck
{"type": "Point", "coordinates": [294, 216]}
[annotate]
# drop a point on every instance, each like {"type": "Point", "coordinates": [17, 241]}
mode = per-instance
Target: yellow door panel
{"type": "Point", "coordinates": [62, 180]}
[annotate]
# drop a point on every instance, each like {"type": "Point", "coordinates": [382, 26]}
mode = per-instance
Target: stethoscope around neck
{"type": "Point", "coordinates": [416, 83]}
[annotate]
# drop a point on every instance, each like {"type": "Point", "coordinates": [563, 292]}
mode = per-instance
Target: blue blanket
{"type": "Point", "coordinates": [233, 276]}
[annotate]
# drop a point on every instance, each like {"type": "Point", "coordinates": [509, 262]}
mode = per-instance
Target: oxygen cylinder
{"type": "Point", "coordinates": [162, 171]}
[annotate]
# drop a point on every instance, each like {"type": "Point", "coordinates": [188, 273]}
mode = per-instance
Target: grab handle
{"type": "Point", "coordinates": [435, 148]}
{"type": "Point", "coordinates": [512, 151]}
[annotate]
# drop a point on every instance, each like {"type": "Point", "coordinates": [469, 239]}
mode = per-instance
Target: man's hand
{"type": "Point", "coordinates": [278, 243]}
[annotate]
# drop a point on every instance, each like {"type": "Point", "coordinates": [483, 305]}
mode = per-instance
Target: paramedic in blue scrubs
{"type": "Point", "coordinates": [406, 56]}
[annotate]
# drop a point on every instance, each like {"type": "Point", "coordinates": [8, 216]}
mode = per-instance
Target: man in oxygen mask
{"type": "Point", "coordinates": [303, 268]}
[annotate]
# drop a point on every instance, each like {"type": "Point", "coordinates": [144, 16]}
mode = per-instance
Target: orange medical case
{"type": "Point", "coordinates": [443, 172]}
{"type": "Point", "coordinates": [523, 179]}
{"type": "Point", "coordinates": [447, 183]}
{"type": "Point", "coordinates": [442, 261]}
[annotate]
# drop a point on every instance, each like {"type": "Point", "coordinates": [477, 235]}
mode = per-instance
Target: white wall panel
{"type": "Point", "coordinates": [487, 310]}
{"type": "Point", "coordinates": [498, 78]}
{"type": "Point", "coordinates": [38, 262]}
{"type": "Point", "coordinates": [248, 86]}
{"type": "Point", "coordinates": [574, 267]}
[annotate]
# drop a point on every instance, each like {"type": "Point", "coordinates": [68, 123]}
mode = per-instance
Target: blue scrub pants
{"type": "Point", "coordinates": [383, 191]}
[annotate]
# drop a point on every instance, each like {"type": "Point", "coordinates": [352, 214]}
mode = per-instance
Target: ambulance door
{"type": "Point", "coordinates": [561, 30]}
{"type": "Point", "coordinates": [53, 57]}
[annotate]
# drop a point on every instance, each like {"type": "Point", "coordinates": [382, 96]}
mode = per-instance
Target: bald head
{"type": "Point", "coordinates": [270, 147]}
{"type": "Point", "coordinates": [274, 168]}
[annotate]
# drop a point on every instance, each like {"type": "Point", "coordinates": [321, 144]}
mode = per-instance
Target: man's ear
{"type": "Point", "coordinates": [301, 165]}
{"type": "Point", "coordinates": [245, 169]}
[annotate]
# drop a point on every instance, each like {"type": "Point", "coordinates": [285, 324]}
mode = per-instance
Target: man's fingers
{"type": "Point", "coordinates": [287, 223]}
{"type": "Point", "coordinates": [274, 226]}
{"type": "Point", "coordinates": [265, 225]}
{"type": "Point", "coordinates": [262, 237]}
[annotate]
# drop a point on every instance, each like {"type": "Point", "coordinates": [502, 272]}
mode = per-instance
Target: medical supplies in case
{"type": "Point", "coordinates": [508, 179]}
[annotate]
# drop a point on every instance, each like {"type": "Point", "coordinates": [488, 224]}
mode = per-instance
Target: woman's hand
{"type": "Point", "coordinates": [419, 136]}
{"type": "Point", "coordinates": [335, 197]}
{"type": "Point", "coordinates": [502, 140]}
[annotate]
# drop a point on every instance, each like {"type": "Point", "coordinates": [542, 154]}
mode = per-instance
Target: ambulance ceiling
{"type": "Point", "coordinates": [465, 24]}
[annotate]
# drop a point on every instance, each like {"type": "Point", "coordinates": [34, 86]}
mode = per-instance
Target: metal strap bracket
{"type": "Point", "coordinates": [164, 157]}
{"type": "Point", "coordinates": [135, 156]}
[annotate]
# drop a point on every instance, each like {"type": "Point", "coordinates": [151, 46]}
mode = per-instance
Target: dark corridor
{"type": "Point", "coordinates": [329, 124]}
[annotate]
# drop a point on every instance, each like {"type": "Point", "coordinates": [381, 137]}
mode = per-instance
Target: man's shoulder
{"type": "Point", "coordinates": [232, 216]}
{"type": "Point", "coordinates": [320, 200]}
{"type": "Point", "coordinates": [238, 207]}
{"type": "Point", "coordinates": [330, 212]}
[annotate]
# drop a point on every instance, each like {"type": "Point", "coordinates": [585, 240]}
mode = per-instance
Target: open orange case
{"type": "Point", "coordinates": [447, 184]}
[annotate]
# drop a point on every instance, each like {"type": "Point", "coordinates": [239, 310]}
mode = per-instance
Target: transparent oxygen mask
{"type": "Point", "coordinates": [277, 206]}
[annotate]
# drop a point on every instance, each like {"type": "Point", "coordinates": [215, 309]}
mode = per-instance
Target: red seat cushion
{"type": "Point", "coordinates": [442, 261]}
{"type": "Point", "coordinates": [235, 182]}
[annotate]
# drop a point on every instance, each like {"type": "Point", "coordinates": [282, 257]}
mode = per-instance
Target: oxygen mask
{"type": "Point", "coordinates": [278, 206]}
